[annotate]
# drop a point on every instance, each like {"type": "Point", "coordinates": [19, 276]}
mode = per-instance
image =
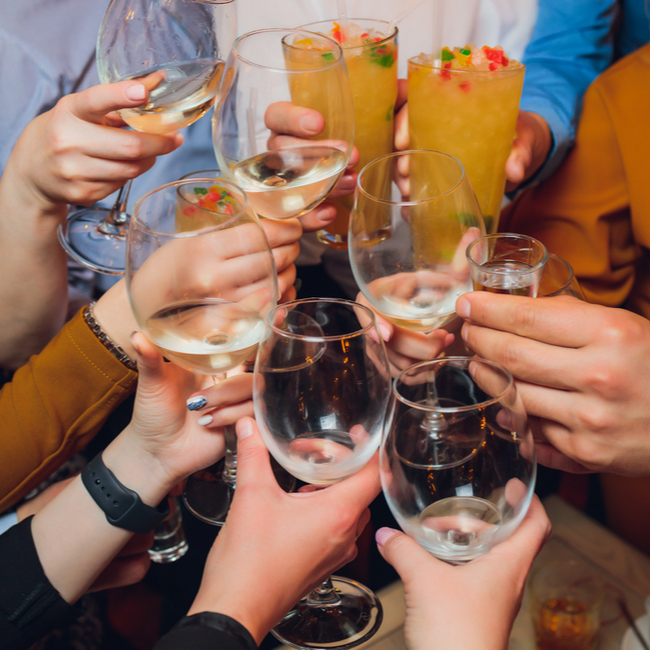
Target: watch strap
{"type": "Point", "coordinates": [123, 507]}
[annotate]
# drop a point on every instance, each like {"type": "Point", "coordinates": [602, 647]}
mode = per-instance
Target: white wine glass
{"type": "Point", "coordinates": [414, 215]}
{"type": "Point", "coordinates": [201, 280]}
{"type": "Point", "coordinates": [268, 73]}
{"type": "Point", "coordinates": [175, 48]}
{"type": "Point", "coordinates": [466, 486]}
{"type": "Point", "coordinates": [320, 391]}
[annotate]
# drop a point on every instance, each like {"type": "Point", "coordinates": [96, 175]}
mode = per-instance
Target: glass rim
{"type": "Point", "coordinates": [394, 154]}
{"type": "Point", "coordinates": [532, 240]}
{"type": "Point", "coordinates": [192, 233]}
{"type": "Point", "coordinates": [389, 37]}
{"type": "Point", "coordinates": [336, 301]}
{"type": "Point", "coordinates": [479, 73]}
{"type": "Point", "coordinates": [196, 175]}
{"type": "Point", "coordinates": [571, 276]}
{"type": "Point", "coordinates": [286, 30]}
{"type": "Point", "coordinates": [453, 409]}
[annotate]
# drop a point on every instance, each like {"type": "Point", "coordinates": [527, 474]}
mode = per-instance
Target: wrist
{"type": "Point", "coordinates": [113, 313]}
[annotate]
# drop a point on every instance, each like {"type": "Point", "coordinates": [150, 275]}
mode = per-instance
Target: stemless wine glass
{"type": "Point", "coordinates": [463, 485]}
{"type": "Point", "coordinates": [320, 391]}
{"type": "Point", "coordinates": [558, 279]}
{"type": "Point", "coordinates": [201, 279]}
{"type": "Point", "coordinates": [507, 263]}
{"type": "Point", "coordinates": [414, 215]}
{"type": "Point", "coordinates": [268, 73]}
{"type": "Point", "coordinates": [175, 49]}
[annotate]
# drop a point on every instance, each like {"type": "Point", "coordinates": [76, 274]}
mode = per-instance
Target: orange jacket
{"type": "Point", "coordinates": [54, 406]}
{"type": "Point", "coordinates": [595, 210]}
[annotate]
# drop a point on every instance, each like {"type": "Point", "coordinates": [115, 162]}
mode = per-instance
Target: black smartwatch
{"type": "Point", "coordinates": [123, 507]}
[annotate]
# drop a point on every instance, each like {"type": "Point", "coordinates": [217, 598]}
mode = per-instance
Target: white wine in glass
{"type": "Point", "coordinates": [283, 175]}
{"type": "Point", "coordinates": [414, 215]}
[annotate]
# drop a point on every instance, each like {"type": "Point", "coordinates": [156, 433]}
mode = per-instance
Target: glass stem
{"type": "Point", "coordinates": [324, 594]}
{"type": "Point", "coordinates": [433, 422]}
{"type": "Point", "coordinates": [230, 466]}
{"type": "Point", "coordinates": [116, 219]}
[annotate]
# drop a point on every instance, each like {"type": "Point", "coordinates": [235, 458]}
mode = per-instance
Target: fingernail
{"type": "Point", "coordinates": [179, 139]}
{"type": "Point", "coordinates": [196, 403]}
{"type": "Point", "coordinates": [206, 419]}
{"type": "Point", "coordinates": [136, 92]}
{"type": "Point", "coordinates": [383, 535]}
{"type": "Point", "coordinates": [385, 332]}
{"type": "Point", "coordinates": [310, 123]}
{"type": "Point", "coordinates": [347, 179]}
{"type": "Point", "coordinates": [463, 307]}
{"type": "Point", "coordinates": [463, 331]}
{"type": "Point", "coordinates": [244, 430]}
{"type": "Point", "coordinates": [133, 343]}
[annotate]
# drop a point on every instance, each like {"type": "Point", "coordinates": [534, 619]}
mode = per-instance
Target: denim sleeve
{"type": "Point", "coordinates": [572, 43]}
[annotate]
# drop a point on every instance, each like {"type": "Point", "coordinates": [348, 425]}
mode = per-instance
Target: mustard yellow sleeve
{"type": "Point", "coordinates": [54, 406]}
{"type": "Point", "coordinates": [582, 213]}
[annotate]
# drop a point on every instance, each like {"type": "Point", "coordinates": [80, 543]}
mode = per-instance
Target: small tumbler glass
{"type": "Point", "coordinates": [169, 543]}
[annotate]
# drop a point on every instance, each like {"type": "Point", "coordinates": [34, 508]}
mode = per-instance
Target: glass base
{"type": "Point", "coordinates": [208, 497]}
{"type": "Point", "coordinates": [339, 242]}
{"type": "Point", "coordinates": [85, 243]}
{"type": "Point", "coordinates": [168, 555]}
{"type": "Point", "coordinates": [350, 619]}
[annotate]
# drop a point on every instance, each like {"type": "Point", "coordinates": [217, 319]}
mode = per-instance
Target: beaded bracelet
{"type": "Point", "coordinates": [106, 341]}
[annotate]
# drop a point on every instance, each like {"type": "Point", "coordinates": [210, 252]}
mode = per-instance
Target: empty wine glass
{"type": "Point", "coordinates": [320, 391]}
{"type": "Point", "coordinates": [268, 73]}
{"type": "Point", "coordinates": [465, 486]}
{"type": "Point", "coordinates": [414, 215]}
{"type": "Point", "coordinates": [175, 48]}
{"type": "Point", "coordinates": [201, 279]}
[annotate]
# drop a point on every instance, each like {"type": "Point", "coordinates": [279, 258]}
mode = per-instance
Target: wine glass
{"type": "Point", "coordinates": [558, 279]}
{"type": "Point", "coordinates": [414, 215]}
{"type": "Point", "coordinates": [201, 279]}
{"type": "Point", "coordinates": [507, 263]}
{"type": "Point", "coordinates": [175, 49]}
{"type": "Point", "coordinates": [320, 391]}
{"type": "Point", "coordinates": [268, 73]}
{"type": "Point", "coordinates": [463, 488]}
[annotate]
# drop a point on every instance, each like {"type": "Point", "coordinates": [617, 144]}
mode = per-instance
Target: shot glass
{"type": "Point", "coordinates": [566, 599]}
{"type": "Point", "coordinates": [558, 279]}
{"type": "Point", "coordinates": [169, 543]}
{"type": "Point", "coordinates": [507, 263]}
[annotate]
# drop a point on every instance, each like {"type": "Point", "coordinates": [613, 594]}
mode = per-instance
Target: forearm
{"type": "Point", "coordinates": [33, 293]}
{"type": "Point", "coordinates": [71, 534]}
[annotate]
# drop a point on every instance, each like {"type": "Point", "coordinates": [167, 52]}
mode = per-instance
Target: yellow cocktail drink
{"type": "Point", "coordinates": [371, 59]}
{"type": "Point", "coordinates": [466, 105]}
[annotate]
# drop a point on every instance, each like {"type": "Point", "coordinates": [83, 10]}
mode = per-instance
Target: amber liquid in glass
{"type": "Point", "coordinates": [565, 624]}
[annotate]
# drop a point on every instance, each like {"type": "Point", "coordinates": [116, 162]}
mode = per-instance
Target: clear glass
{"type": "Point", "coordinates": [268, 73]}
{"type": "Point", "coordinates": [558, 279]}
{"type": "Point", "coordinates": [414, 215]}
{"type": "Point", "coordinates": [169, 543]}
{"type": "Point", "coordinates": [507, 263]}
{"type": "Point", "coordinates": [175, 48]}
{"type": "Point", "coordinates": [201, 280]}
{"type": "Point", "coordinates": [321, 386]}
{"type": "Point", "coordinates": [471, 115]}
{"type": "Point", "coordinates": [457, 462]}
{"type": "Point", "coordinates": [370, 54]}
{"type": "Point", "coordinates": [566, 600]}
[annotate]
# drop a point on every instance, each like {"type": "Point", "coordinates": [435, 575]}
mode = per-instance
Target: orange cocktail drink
{"type": "Point", "coordinates": [466, 105]}
{"type": "Point", "coordinates": [371, 59]}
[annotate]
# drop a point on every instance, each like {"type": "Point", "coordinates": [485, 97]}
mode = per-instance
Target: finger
{"type": "Point", "coordinates": [284, 117]}
{"type": "Point", "coordinates": [359, 490]}
{"type": "Point", "coordinates": [286, 282]}
{"type": "Point", "coordinates": [554, 321]}
{"type": "Point", "coordinates": [515, 168]}
{"type": "Point", "coordinates": [150, 362]}
{"type": "Point", "coordinates": [227, 415]}
{"type": "Point", "coordinates": [92, 104]}
{"type": "Point", "coordinates": [402, 93]}
{"type": "Point", "coordinates": [285, 256]}
{"type": "Point", "coordinates": [345, 185]}
{"type": "Point", "coordinates": [231, 390]}
{"type": "Point", "coordinates": [318, 218]}
{"type": "Point", "coordinates": [281, 233]}
{"type": "Point", "coordinates": [405, 555]}
{"type": "Point", "coordinates": [549, 456]}
{"type": "Point", "coordinates": [253, 464]}
{"type": "Point", "coordinates": [528, 360]}
{"type": "Point", "coordinates": [402, 129]}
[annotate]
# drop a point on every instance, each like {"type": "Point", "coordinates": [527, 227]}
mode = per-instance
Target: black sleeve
{"type": "Point", "coordinates": [207, 631]}
{"type": "Point", "coordinates": [30, 606]}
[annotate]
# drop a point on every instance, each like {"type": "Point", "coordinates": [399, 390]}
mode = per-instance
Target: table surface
{"type": "Point", "coordinates": [625, 570]}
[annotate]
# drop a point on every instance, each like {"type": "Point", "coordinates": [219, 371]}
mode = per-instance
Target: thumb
{"type": "Point", "coordinates": [93, 104]}
{"type": "Point", "coordinates": [403, 553]}
{"type": "Point", "coordinates": [150, 361]}
{"type": "Point", "coordinates": [253, 464]}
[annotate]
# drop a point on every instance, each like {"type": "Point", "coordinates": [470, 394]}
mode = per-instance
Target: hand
{"type": "Point", "coordinates": [128, 567]}
{"type": "Point", "coordinates": [529, 150]}
{"type": "Point", "coordinates": [276, 547]}
{"type": "Point", "coordinates": [581, 371]}
{"type": "Point", "coordinates": [75, 154]}
{"type": "Point", "coordinates": [406, 347]}
{"type": "Point", "coordinates": [292, 125]}
{"type": "Point", "coordinates": [468, 606]}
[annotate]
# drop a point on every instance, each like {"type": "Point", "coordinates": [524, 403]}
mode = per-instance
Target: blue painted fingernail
{"type": "Point", "coordinates": [196, 403]}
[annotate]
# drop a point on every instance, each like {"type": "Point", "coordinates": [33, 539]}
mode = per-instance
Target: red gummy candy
{"type": "Point", "coordinates": [465, 86]}
{"type": "Point", "coordinates": [493, 66]}
{"type": "Point", "coordinates": [213, 197]}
